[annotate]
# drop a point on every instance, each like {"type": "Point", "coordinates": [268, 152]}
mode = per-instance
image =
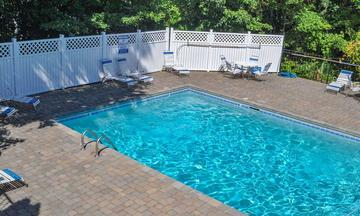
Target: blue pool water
{"type": "Point", "coordinates": [250, 160]}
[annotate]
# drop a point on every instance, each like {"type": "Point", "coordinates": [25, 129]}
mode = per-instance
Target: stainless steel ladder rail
{"type": "Point", "coordinates": [82, 141]}
{"type": "Point", "coordinates": [97, 141]}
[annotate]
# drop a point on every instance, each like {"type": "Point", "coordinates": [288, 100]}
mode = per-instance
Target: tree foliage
{"type": "Point", "coordinates": [324, 27]}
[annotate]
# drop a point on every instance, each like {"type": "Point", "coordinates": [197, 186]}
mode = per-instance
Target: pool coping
{"type": "Point", "coordinates": [228, 210]}
{"type": "Point", "coordinates": [230, 100]}
{"type": "Point", "coordinates": [234, 101]}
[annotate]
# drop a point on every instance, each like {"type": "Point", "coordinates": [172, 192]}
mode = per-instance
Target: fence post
{"type": "Point", "coordinates": [62, 60]}
{"type": "Point", "coordinates": [15, 48]}
{"type": "Point", "coordinates": [281, 54]}
{"type": "Point", "coordinates": [138, 48]}
{"type": "Point", "coordinates": [210, 40]}
{"type": "Point", "coordinates": [171, 43]}
{"type": "Point", "coordinates": [167, 39]}
{"type": "Point", "coordinates": [103, 45]}
{"type": "Point", "coordinates": [248, 42]}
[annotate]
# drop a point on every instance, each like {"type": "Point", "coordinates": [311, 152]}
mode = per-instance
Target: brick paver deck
{"type": "Point", "coordinates": [66, 181]}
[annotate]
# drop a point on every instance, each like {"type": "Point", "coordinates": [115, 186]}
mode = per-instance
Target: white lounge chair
{"type": "Point", "coordinates": [9, 181]}
{"type": "Point", "coordinates": [256, 71]}
{"type": "Point", "coordinates": [31, 101]}
{"type": "Point", "coordinates": [126, 72]}
{"type": "Point", "coordinates": [343, 80]}
{"type": "Point", "coordinates": [171, 65]}
{"type": "Point", "coordinates": [108, 74]}
{"type": "Point", "coordinates": [229, 66]}
{"type": "Point", "coordinates": [6, 111]}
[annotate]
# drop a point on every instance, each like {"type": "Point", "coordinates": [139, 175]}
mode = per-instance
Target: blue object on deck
{"type": "Point", "coordinates": [287, 74]}
{"type": "Point", "coordinates": [12, 174]}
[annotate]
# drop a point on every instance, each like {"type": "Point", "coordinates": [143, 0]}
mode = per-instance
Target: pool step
{"type": "Point", "coordinates": [97, 141]}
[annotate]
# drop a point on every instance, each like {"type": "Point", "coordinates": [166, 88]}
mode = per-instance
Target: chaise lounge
{"type": "Point", "coordinates": [343, 80]}
{"type": "Point", "coordinates": [230, 67]}
{"type": "Point", "coordinates": [171, 65]}
{"type": "Point", "coordinates": [7, 112]}
{"type": "Point", "coordinates": [9, 181]}
{"type": "Point", "coordinates": [107, 67]}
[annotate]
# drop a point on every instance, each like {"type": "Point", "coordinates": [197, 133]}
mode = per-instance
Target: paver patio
{"type": "Point", "coordinates": [66, 181]}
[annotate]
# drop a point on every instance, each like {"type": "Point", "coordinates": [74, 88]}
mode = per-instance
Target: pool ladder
{"type": "Point", "coordinates": [97, 141]}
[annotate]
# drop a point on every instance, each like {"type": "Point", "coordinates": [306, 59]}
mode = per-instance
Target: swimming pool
{"type": "Point", "coordinates": [256, 161]}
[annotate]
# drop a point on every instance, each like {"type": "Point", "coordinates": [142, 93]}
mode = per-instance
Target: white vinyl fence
{"type": "Point", "coordinates": [30, 67]}
{"type": "Point", "coordinates": [202, 50]}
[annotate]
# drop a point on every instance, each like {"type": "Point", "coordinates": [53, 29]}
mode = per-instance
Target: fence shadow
{"type": "Point", "coordinates": [58, 103]}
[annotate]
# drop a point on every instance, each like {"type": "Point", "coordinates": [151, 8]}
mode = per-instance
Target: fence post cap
{"type": "Point", "coordinates": [13, 39]}
{"type": "Point", "coordinates": [103, 33]}
{"type": "Point", "coordinates": [61, 35]}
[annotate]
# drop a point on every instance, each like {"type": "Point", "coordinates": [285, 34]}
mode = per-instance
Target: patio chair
{"type": "Point", "coordinates": [230, 67]}
{"type": "Point", "coordinates": [9, 181]}
{"type": "Point", "coordinates": [6, 111]}
{"type": "Point", "coordinates": [126, 72]}
{"type": "Point", "coordinates": [108, 75]}
{"type": "Point", "coordinates": [31, 101]}
{"type": "Point", "coordinates": [256, 71]}
{"type": "Point", "coordinates": [171, 65]}
{"type": "Point", "coordinates": [343, 80]}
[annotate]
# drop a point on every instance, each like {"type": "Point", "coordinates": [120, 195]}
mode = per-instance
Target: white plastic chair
{"type": "Point", "coordinates": [107, 67]}
{"type": "Point", "coordinates": [343, 80]}
{"type": "Point", "coordinates": [6, 111]}
{"type": "Point", "coordinates": [256, 71]}
{"type": "Point", "coordinates": [230, 66]}
{"type": "Point", "coordinates": [171, 65]}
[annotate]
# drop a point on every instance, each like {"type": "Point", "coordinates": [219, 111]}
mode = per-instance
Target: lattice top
{"type": "Point", "coordinates": [153, 37]}
{"type": "Point", "coordinates": [38, 47]}
{"type": "Point", "coordinates": [191, 36]}
{"type": "Point", "coordinates": [113, 40]}
{"type": "Point", "coordinates": [266, 39]}
{"type": "Point", "coordinates": [5, 50]}
{"type": "Point", "coordinates": [229, 38]}
{"type": "Point", "coordinates": [82, 42]}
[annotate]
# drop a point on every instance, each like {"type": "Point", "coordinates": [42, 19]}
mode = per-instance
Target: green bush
{"type": "Point", "coordinates": [314, 69]}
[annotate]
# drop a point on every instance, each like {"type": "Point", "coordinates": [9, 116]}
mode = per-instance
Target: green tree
{"type": "Point", "coordinates": [8, 19]}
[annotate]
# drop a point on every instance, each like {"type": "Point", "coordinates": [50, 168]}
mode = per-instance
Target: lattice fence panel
{"type": "Point", "coordinates": [5, 50]}
{"type": "Point", "coordinates": [113, 40]}
{"type": "Point", "coordinates": [38, 47]}
{"type": "Point", "coordinates": [191, 36]}
{"type": "Point", "coordinates": [268, 40]}
{"type": "Point", "coordinates": [82, 42]}
{"type": "Point", "coordinates": [229, 38]}
{"type": "Point", "coordinates": [153, 37]}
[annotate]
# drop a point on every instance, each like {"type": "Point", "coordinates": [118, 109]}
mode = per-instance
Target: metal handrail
{"type": "Point", "coordinates": [99, 141]}
{"type": "Point", "coordinates": [82, 141]}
